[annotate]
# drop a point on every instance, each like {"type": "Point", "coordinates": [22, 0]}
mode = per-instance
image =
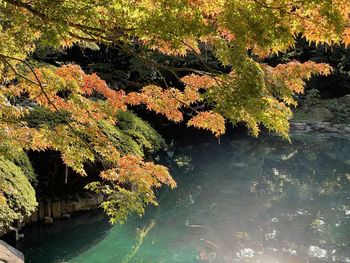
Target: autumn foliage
{"type": "Point", "coordinates": [239, 33]}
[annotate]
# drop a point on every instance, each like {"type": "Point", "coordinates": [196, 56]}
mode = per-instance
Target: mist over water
{"type": "Point", "coordinates": [244, 200]}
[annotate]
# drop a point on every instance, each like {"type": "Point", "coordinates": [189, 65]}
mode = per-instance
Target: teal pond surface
{"type": "Point", "coordinates": [243, 200]}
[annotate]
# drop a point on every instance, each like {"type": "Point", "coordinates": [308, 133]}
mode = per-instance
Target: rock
{"type": "Point", "coordinates": [99, 198]}
{"type": "Point", "coordinates": [41, 210]}
{"type": "Point", "coordinates": [86, 203]}
{"type": "Point", "coordinates": [321, 126]}
{"type": "Point", "coordinates": [9, 254]}
{"type": "Point", "coordinates": [77, 206]}
{"type": "Point", "coordinates": [346, 129]}
{"type": "Point", "coordinates": [34, 217]}
{"type": "Point", "coordinates": [64, 207]}
{"type": "Point", "coordinates": [330, 129]}
{"type": "Point", "coordinates": [345, 99]}
{"type": "Point", "coordinates": [69, 207]}
{"type": "Point", "coordinates": [246, 253]}
{"type": "Point", "coordinates": [92, 202]}
{"type": "Point", "coordinates": [47, 208]}
{"type": "Point", "coordinates": [81, 203]}
{"type": "Point", "coordinates": [339, 126]}
{"type": "Point", "coordinates": [315, 251]}
{"type": "Point", "coordinates": [298, 126]}
{"type": "Point", "coordinates": [48, 220]}
{"type": "Point", "coordinates": [56, 209]}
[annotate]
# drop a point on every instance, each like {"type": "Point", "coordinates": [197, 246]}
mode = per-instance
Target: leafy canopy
{"type": "Point", "coordinates": [241, 33]}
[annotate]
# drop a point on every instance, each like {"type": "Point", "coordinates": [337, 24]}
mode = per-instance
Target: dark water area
{"type": "Point", "coordinates": [243, 200]}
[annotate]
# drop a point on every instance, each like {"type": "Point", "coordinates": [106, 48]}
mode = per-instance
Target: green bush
{"type": "Point", "coordinates": [141, 131]}
{"type": "Point", "coordinates": [122, 141]}
{"type": "Point", "coordinates": [17, 196]}
{"type": "Point", "coordinates": [132, 135]}
{"type": "Point", "coordinates": [312, 97]}
{"type": "Point", "coordinates": [39, 116]}
{"type": "Point", "coordinates": [21, 159]}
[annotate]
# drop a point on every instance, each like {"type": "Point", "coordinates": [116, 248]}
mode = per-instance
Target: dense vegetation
{"type": "Point", "coordinates": [49, 106]}
{"type": "Point", "coordinates": [17, 196]}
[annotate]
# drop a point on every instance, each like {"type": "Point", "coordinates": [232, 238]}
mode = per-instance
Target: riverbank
{"type": "Point", "coordinates": [49, 210]}
{"type": "Point", "coordinates": [319, 126]}
{"type": "Point", "coordinates": [323, 115]}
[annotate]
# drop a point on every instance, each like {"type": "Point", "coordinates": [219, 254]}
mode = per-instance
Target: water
{"type": "Point", "coordinates": [244, 200]}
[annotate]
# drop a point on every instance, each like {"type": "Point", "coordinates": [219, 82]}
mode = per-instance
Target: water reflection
{"type": "Point", "coordinates": [64, 239]}
{"type": "Point", "coordinates": [244, 200]}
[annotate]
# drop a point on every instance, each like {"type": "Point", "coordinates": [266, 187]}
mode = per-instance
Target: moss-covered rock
{"type": "Point", "coordinates": [17, 196]}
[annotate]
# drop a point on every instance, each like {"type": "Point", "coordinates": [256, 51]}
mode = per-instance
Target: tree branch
{"type": "Point", "coordinates": [38, 83]}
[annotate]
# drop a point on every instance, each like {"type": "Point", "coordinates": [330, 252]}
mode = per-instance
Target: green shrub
{"type": "Point", "coordinates": [21, 159]}
{"type": "Point", "coordinates": [17, 196]}
{"type": "Point", "coordinates": [141, 131]}
{"type": "Point", "coordinates": [122, 141]}
{"type": "Point", "coordinates": [39, 116]}
{"type": "Point", "coordinates": [132, 135]}
{"type": "Point", "coordinates": [311, 98]}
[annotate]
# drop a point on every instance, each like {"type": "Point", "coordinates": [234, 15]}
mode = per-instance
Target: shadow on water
{"type": "Point", "coordinates": [244, 200]}
{"type": "Point", "coordinates": [65, 239]}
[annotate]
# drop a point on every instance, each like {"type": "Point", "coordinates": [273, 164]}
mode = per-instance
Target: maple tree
{"type": "Point", "coordinates": [240, 33]}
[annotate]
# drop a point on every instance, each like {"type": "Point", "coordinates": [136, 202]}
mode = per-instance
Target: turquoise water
{"type": "Point", "coordinates": [244, 200]}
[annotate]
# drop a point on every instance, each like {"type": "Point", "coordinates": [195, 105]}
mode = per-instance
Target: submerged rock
{"type": "Point", "coordinates": [9, 254]}
{"type": "Point", "coordinates": [301, 126]}
{"type": "Point", "coordinates": [246, 253]}
{"type": "Point", "coordinates": [315, 251]}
